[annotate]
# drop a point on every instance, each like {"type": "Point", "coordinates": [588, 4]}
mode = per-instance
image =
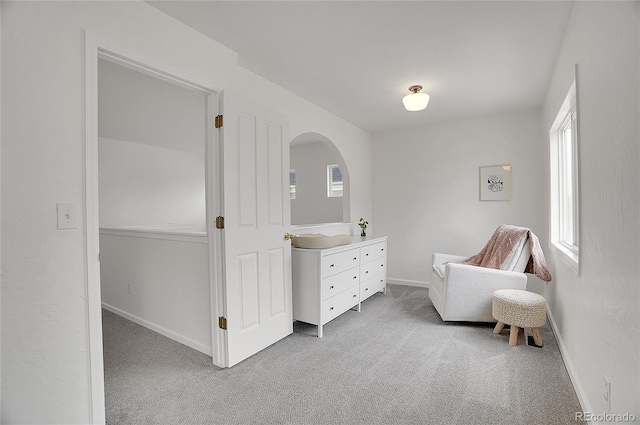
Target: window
{"type": "Point", "coordinates": [292, 184]}
{"type": "Point", "coordinates": [334, 182]}
{"type": "Point", "coordinates": [565, 206]}
{"type": "Point", "coordinates": [568, 182]}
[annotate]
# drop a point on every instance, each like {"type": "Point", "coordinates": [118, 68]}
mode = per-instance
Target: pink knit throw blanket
{"type": "Point", "coordinates": [496, 251]}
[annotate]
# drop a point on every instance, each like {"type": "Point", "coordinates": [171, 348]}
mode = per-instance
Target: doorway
{"type": "Point", "coordinates": [154, 266]}
{"type": "Point", "coordinates": [99, 53]}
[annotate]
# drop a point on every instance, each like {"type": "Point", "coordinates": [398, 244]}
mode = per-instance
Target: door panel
{"type": "Point", "coordinates": [256, 208]}
{"type": "Point", "coordinates": [276, 282]}
{"type": "Point", "coordinates": [275, 174]}
{"type": "Point", "coordinates": [245, 164]}
{"type": "Point", "coordinates": [249, 290]}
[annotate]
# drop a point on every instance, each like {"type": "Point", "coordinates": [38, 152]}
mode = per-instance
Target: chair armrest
{"type": "Point", "coordinates": [468, 290]}
{"type": "Point", "coordinates": [483, 277]}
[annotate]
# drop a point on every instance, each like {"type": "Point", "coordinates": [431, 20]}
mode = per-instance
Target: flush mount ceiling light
{"type": "Point", "coordinates": [415, 101]}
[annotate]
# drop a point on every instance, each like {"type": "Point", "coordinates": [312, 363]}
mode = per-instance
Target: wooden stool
{"type": "Point", "coordinates": [519, 309]}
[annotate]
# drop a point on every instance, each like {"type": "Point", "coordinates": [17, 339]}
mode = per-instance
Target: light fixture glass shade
{"type": "Point", "coordinates": [415, 101]}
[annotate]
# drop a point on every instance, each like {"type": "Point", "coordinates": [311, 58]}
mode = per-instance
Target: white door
{"type": "Point", "coordinates": [257, 283]}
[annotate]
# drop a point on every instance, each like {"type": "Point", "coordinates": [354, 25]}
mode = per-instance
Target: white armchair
{"type": "Point", "coordinates": [462, 292]}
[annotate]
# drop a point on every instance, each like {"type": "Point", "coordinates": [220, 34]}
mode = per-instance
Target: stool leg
{"type": "Point", "coordinates": [499, 327]}
{"type": "Point", "coordinates": [513, 335]}
{"type": "Point", "coordinates": [536, 337]}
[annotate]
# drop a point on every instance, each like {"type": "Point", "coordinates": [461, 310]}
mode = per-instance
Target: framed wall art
{"type": "Point", "coordinates": [495, 183]}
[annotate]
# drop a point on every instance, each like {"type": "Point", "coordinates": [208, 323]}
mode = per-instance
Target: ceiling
{"type": "Point", "coordinates": [357, 59]}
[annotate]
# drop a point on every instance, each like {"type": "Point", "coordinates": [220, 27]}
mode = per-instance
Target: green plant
{"type": "Point", "coordinates": [363, 223]}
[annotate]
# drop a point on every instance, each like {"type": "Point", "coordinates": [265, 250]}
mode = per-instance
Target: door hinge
{"type": "Point", "coordinates": [222, 323]}
{"type": "Point", "coordinates": [218, 121]}
{"type": "Point", "coordinates": [219, 222]}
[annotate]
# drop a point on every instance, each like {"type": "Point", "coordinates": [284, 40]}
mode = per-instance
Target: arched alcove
{"type": "Point", "coordinates": [310, 155]}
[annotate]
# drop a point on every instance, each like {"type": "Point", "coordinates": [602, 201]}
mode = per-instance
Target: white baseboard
{"type": "Point", "coordinates": [162, 331]}
{"type": "Point", "coordinates": [418, 283]}
{"type": "Point", "coordinates": [575, 380]}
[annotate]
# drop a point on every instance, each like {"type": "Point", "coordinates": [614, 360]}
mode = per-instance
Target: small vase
{"type": "Point", "coordinates": [364, 233]}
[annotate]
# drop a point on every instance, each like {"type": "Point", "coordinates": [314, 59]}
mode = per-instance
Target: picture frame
{"type": "Point", "coordinates": [495, 183]}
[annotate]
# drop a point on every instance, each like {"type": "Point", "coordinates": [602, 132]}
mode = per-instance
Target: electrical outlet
{"type": "Point", "coordinates": [607, 394]}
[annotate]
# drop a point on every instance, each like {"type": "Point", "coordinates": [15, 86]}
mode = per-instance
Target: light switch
{"type": "Point", "coordinates": [67, 216]}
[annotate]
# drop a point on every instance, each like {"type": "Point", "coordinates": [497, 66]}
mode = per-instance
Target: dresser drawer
{"type": "Point", "coordinates": [336, 305]}
{"type": "Point", "coordinates": [373, 251]}
{"type": "Point", "coordinates": [371, 286]}
{"type": "Point", "coordinates": [372, 268]}
{"type": "Point", "coordinates": [337, 263]}
{"type": "Point", "coordinates": [337, 283]}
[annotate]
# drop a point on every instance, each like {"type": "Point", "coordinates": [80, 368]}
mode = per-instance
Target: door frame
{"type": "Point", "coordinates": [95, 48]}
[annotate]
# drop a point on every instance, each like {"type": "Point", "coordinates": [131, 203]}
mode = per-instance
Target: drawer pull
{"type": "Point", "coordinates": [381, 280]}
{"type": "Point", "coordinates": [355, 258]}
{"type": "Point", "coordinates": [355, 277]}
{"type": "Point", "coordinates": [355, 295]}
{"type": "Point", "coordinates": [366, 272]}
{"type": "Point", "coordinates": [381, 265]}
{"type": "Point", "coordinates": [331, 309]}
{"type": "Point", "coordinates": [331, 287]}
{"type": "Point", "coordinates": [367, 254]}
{"type": "Point", "coordinates": [332, 265]}
{"type": "Point", "coordinates": [366, 289]}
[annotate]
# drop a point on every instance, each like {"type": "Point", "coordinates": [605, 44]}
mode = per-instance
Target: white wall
{"type": "Point", "coordinates": [139, 108]}
{"type": "Point", "coordinates": [1, 274]}
{"type": "Point", "coordinates": [426, 186]}
{"type": "Point", "coordinates": [45, 359]}
{"type": "Point", "coordinates": [159, 281]}
{"type": "Point", "coordinates": [143, 184]}
{"type": "Point", "coordinates": [312, 205]}
{"type": "Point", "coordinates": [597, 313]}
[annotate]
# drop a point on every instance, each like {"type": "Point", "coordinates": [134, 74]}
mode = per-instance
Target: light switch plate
{"type": "Point", "coordinates": [67, 216]}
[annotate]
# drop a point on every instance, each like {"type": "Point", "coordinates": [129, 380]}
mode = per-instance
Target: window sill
{"type": "Point", "coordinates": [570, 258]}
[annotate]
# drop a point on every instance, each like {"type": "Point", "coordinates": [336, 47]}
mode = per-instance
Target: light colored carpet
{"type": "Point", "coordinates": [395, 362]}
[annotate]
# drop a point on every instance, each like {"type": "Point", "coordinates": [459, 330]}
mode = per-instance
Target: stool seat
{"type": "Point", "coordinates": [519, 309]}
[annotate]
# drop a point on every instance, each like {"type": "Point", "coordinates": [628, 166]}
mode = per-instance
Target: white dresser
{"type": "Point", "coordinates": [328, 282]}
